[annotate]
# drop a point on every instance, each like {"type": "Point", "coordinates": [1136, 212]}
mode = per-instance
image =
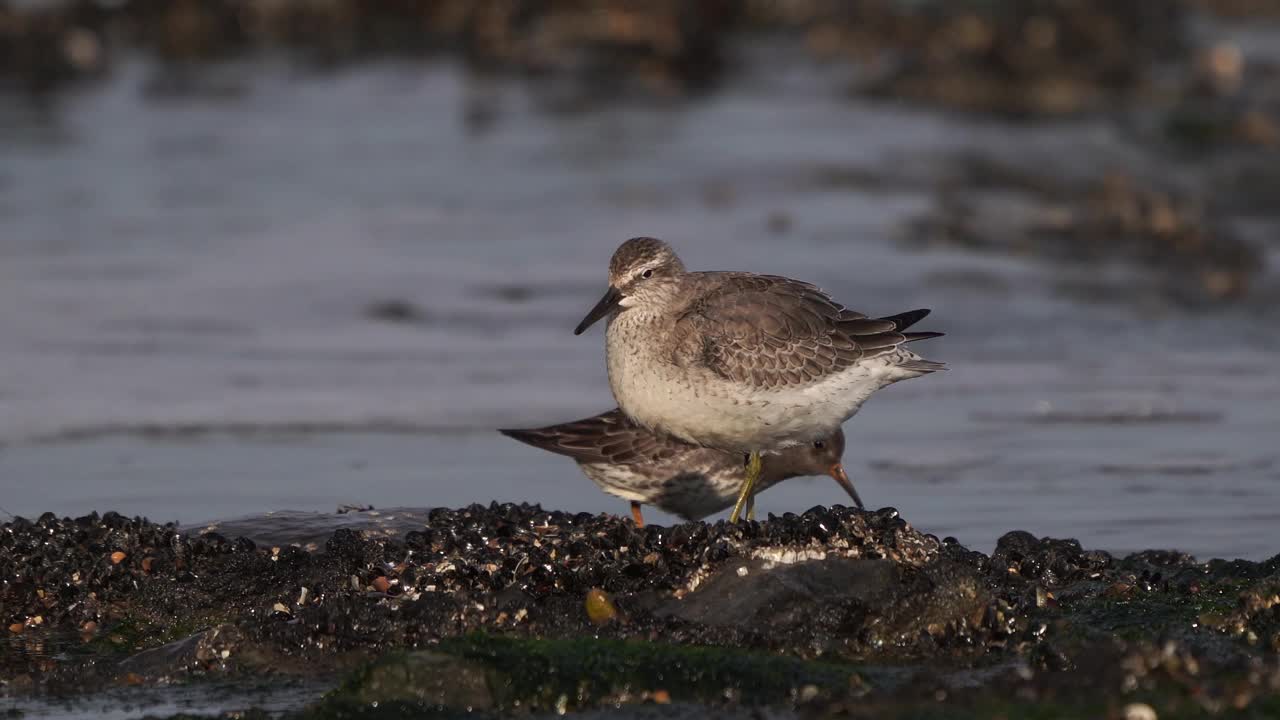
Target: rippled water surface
{"type": "Point", "coordinates": [195, 699]}
{"type": "Point", "coordinates": [300, 293]}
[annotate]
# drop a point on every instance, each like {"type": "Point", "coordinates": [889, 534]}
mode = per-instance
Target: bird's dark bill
{"type": "Point", "coordinates": [837, 473]}
{"type": "Point", "coordinates": [602, 308]}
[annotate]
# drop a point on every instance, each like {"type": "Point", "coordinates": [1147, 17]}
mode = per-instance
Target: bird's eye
{"type": "Point", "coordinates": [818, 444]}
{"type": "Point", "coordinates": [647, 274]}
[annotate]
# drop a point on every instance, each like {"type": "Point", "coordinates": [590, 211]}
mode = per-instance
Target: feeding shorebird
{"type": "Point", "coordinates": [690, 481]}
{"type": "Point", "coordinates": [741, 362]}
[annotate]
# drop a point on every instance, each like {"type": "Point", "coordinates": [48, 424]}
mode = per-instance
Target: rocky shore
{"type": "Point", "coordinates": [1031, 59]}
{"type": "Point", "coordinates": [512, 608]}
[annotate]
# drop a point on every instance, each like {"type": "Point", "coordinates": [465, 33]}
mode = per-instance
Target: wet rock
{"type": "Point", "coordinates": [222, 650]}
{"type": "Point", "coordinates": [1047, 57]}
{"type": "Point", "coordinates": [1255, 618]}
{"type": "Point", "coordinates": [1038, 57]}
{"type": "Point", "coordinates": [704, 613]}
{"type": "Point", "coordinates": [561, 676]}
{"type": "Point", "coordinates": [754, 593]}
{"type": "Point", "coordinates": [1047, 560]}
{"type": "Point", "coordinates": [1227, 106]}
{"type": "Point", "coordinates": [1170, 240]}
{"type": "Point", "coordinates": [850, 607]}
{"type": "Point", "coordinates": [423, 679]}
{"type": "Point", "coordinates": [660, 48]}
{"type": "Point", "coordinates": [509, 568]}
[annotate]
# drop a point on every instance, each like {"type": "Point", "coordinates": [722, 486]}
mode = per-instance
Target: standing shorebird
{"type": "Point", "coordinates": [693, 482]}
{"type": "Point", "coordinates": [741, 362]}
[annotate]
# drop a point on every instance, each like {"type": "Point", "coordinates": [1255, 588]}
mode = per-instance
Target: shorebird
{"type": "Point", "coordinates": [692, 482]}
{"type": "Point", "coordinates": [741, 362]}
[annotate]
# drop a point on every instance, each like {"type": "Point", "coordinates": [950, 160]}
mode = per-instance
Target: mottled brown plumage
{"type": "Point", "coordinates": [692, 482]}
{"type": "Point", "coordinates": [766, 331]}
{"type": "Point", "coordinates": [609, 437]}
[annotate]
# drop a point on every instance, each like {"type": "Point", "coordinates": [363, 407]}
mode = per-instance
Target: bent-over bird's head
{"type": "Point", "coordinates": [820, 457]}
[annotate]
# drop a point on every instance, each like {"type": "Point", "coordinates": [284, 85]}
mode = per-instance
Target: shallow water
{"type": "Point", "coordinates": [200, 699]}
{"type": "Point", "coordinates": [185, 285]}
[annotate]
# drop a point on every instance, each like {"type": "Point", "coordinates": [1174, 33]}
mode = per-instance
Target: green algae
{"type": "Point", "coordinates": [1137, 615]}
{"type": "Point", "coordinates": [137, 632]}
{"type": "Point", "coordinates": [487, 672]}
{"type": "Point", "coordinates": [1147, 618]}
{"type": "Point", "coordinates": [603, 668]}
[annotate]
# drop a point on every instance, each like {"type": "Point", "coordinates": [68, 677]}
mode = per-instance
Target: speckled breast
{"type": "Point", "coordinates": [703, 408]}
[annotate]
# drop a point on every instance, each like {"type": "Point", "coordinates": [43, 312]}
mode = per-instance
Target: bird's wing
{"type": "Point", "coordinates": [609, 437]}
{"type": "Point", "coordinates": [770, 332]}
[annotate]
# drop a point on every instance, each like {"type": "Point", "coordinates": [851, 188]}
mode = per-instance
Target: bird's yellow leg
{"type": "Point", "coordinates": [748, 486]}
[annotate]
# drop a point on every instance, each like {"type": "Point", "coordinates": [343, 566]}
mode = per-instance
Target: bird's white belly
{"type": "Point", "coordinates": [690, 492]}
{"type": "Point", "coordinates": [621, 481]}
{"type": "Point", "coordinates": [694, 498]}
{"type": "Point", "coordinates": [701, 407]}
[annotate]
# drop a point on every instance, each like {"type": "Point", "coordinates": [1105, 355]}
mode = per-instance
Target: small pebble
{"type": "Point", "coordinates": [600, 607]}
{"type": "Point", "coordinates": [16, 628]}
{"type": "Point", "coordinates": [381, 584]}
{"type": "Point", "coordinates": [1139, 711]}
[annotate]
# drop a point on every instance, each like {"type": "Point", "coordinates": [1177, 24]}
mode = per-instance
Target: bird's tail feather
{"type": "Point", "coordinates": [902, 321]}
{"type": "Point", "coordinates": [923, 366]}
